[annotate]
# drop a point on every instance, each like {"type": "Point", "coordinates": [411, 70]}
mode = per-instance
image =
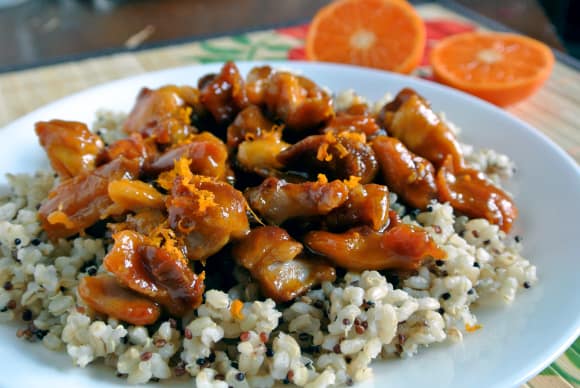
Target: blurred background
{"type": "Point", "coordinates": [36, 32]}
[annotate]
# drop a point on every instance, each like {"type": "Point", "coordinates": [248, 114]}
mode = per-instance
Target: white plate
{"type": "Point", "coordinates": [515, 343]}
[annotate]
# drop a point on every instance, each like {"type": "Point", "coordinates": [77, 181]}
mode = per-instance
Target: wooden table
{"type": "Point", "coordinates": [41, 32]}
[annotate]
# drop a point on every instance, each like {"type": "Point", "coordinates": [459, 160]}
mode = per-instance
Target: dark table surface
{"type": "Point", "coordinates": [36, 32]}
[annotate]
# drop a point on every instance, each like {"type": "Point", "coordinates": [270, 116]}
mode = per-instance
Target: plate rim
{"type": "Point", "coordinates": [519, 376]}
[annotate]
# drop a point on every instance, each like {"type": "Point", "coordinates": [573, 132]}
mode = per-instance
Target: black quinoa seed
{"type": "Point", "coordinates": [429, 208]}
{"type": "Point", "coordinates": [35, 241]}
{"type": "Point", "coordinates": [527, 285]}
{"type": "Point", "coordinates": [211, 357]}
{"type": "Point", "coordinates": [441, 310]}
{"type": "Point", "coordinates": [235, 364]}
{"type": "Point", "coordinates": [349, 382]}
{"type": "Point", "coordinates": [8, 286]}
{"type": "Point", "coordinates": [40, 334]}
{"type": "Point", "coordinates": [439, 263]}
{"type": "Point", "coordinates": [445, 296]}
{"type": "Point", "coordinates": [155, 379]}
{"type": "Point", "coordinates": [476, 264]}
{"type": "Point", "coordinates": [17, 241]}
{"type": "Point", "coordinates": [304, 336]}
{"type": "Point", "coordinates": [92, 270]}
{"type": "Point", "coordinates": [414, 213]}
{"type": "Point", "coordinates": [518, 239]}
{"type": "Point", "coordinates": [318, 304]}
{"type": "Point", "coordinates": [200, 361]}
{"type": "Point", "coordinates": [269, 352]}
{"type": "Point", "coordinates": [470, 291]}
{"type": "Point", "coordinates": [26, 315]}
{"type": "Point", "coordinates": [240, 376]}
{"type": "Point", "coordinates": [486, 242]}
{"type": "Point", "coordinates": [286, 381]}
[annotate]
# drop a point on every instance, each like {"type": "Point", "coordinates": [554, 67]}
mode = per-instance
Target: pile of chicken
{"type": "Point", "coordinates": [261, 170]}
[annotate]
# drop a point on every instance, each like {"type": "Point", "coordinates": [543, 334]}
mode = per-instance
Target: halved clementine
{"type": "Point", "coordinates": [384, 34]}
{"type": "Point", "coordinates": [498, 67]}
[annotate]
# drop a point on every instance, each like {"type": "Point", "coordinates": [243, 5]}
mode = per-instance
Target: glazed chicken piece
{"type": "Point", "coordinates": [277, 200]}
{"type": "Point", "coordinates": [410, 176]}
{"type": "Point", "coordinates": [164, 113]}
{"type": "Point", "coordinates": [70, 146]}
{"type": "Point", "coordinates": [277, 262]}
{"type": "Point", "coordinates": [470, 193]}
{"type": "Point", "coordinates": [257, 81]}
{"type": "Point", "coordinates": [358, 123]}
{"type": "Point", "coordinates": [402, 247]}
{"type": "Point", "coordinates": [293, 99]}
{"type": "Point", "coordinates": [135, 146]}
{"type": "Point", "coordinates": [105, 295]}
{"type": "Point", "coordinates": [224, 94]}
{"type": "Point", "coordinates": [338, 156]}
{"type": "Point", "coordinates": [79, 202]}
{"type": "Point", "coordinates": [249, 124]}
{"type": "Point", "coordinates": [205, 213]}
{"type": "Point", "coordinates": [133, 195]}
{"type": "Point", "coordinates": [410, 119]}
{"type": "Point", "coordinates": [366, 205]}
{"type": "Point", "coordinates": [144, 221]}
{"type": "Point", "coordinates": [158, 270]}
{"type": "Point", "coordinates": [260, 155]}
{"type": "Point", "coordinates": [207, 154]}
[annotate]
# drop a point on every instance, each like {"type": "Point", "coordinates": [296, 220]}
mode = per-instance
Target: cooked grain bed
{"type": "Point", "coordinates": [327, 337]}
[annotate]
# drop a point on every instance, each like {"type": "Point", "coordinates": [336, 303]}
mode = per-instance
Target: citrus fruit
{"type": "Point", "coordinates": [498, 67]}
{"type": "Point", "coordinates": [384, 34]}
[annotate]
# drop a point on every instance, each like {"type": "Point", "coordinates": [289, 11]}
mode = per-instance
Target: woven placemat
{"type": "Point", "coordinates": [554, 110]}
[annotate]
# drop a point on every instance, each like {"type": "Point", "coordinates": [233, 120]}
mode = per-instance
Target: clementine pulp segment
{"type": "Point", "coordinates": [501, 68]}
{"type": "Point", "coordinates": [384, 34]}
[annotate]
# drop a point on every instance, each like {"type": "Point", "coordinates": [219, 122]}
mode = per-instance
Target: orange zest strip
{"type": "Point", "coordinates": [472, 328]}
{"type": "Point", "coordinates": [236, 309]}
